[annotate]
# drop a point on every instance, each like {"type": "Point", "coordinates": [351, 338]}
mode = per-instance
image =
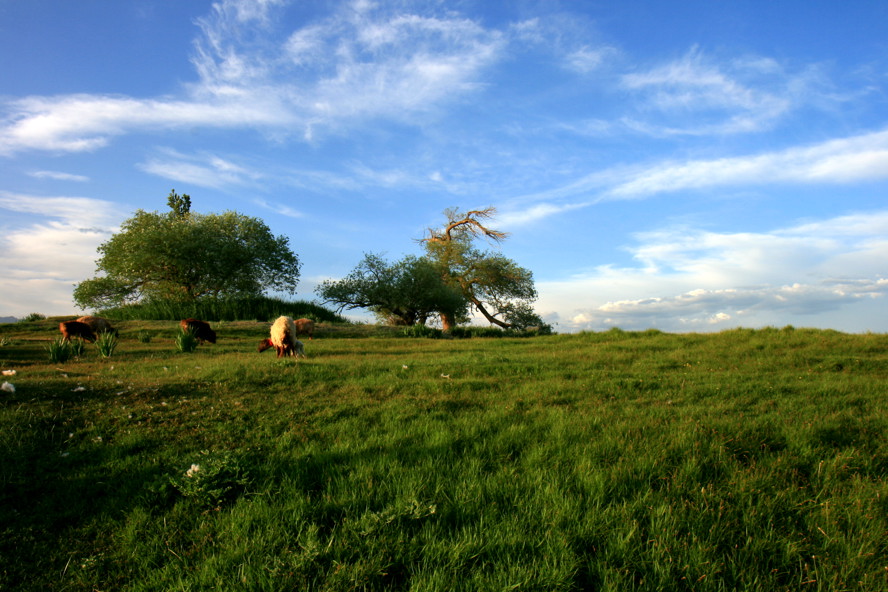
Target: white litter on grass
{"type": "Point", "coordinates": [79, 389]}
{"type": "Point", "coordinates": [447, 376]}
{"type": "Point", "coordinates": [7, 387]}
{"type": "Point", "coordinates": [9, 373]}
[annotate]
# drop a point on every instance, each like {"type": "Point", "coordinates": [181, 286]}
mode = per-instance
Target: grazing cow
{"type": "Point", "coordinates": [98, 325]}
{"type": "Point", "coordinates": [283, 339]}
{"type": "Point", "coordinates": [304, 326]}
{"type": "Point", "coordinates": [200, 329]}
{"type": "Point", "coordinates": [71, 329]}
{"type": "Point", "coordinates": [296, 348]}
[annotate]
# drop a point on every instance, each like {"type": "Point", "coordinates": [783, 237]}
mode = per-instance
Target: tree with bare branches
{"type": "Point", "coordinates": [499, 289]}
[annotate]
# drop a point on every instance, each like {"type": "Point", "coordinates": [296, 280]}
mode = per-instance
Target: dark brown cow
{"type": "Point", "coordinates": [200, 329]}
{"type": "Point", "coordinates": [71, 329]}
{"type": "Point", "coordinates": [98, 325]}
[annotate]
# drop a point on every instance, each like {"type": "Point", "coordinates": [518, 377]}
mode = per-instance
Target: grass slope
{"type": "Point", "coordinates": [744, 460]}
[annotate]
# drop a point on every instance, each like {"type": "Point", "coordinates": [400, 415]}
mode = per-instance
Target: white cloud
{"type": "Point", "coordinates": [58, 176]}
{"type": "Point", "coordinates": [694, 95]}
{"type": "Point", "coordinates": [588, 59]}
{"type": "Point", "coordinates": [690, 279]}
{"type": "Point", "coordinates": [78, 123]}
{"type": "Point", "coordinates": [42, 261]}
{"type": "Point", "coordinates": [858, 158]}
{"type": "Point", "coordinates": [279, 208]}
{"type": "Point", "coordinates": [357, 64]}
{"type": "Point", "coordinates": [204, 170]}
{"type": "Point", "coordinates": [510, 218]}
{"type": "Point", "coordinates": [854, 159]}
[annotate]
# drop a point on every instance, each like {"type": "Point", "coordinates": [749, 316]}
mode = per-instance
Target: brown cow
{"type": "Point", "coordinates": [71, 329]}
{"type": "Point", "coordinates": [200, 329]}
{"type": "Point", "coordinates": [306, 326]}
{"type": "Point", "coordinates": [98, 325]}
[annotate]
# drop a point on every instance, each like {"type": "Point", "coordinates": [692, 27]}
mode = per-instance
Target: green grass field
{"type": "Point", "coordinates": [743, 460]}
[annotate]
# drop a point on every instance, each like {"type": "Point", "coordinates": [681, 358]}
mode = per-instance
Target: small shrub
{"type": "Point", "coordinates": [144, 336]}
{"type": "Point", "coordinates": [106, 343]}
{"type": "Point", "coordinates": [34, 316]}
{"type": "Point", "coordinates": [186, 342]}
{"type": "Point", "coordinates": [215, 478]}
{"type": "Point", "coordinates": [4, 341]}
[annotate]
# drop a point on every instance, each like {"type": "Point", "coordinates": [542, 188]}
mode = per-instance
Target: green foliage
{"type": "Point", "coordinates": [179, 204]}
{"type": "Point", "coordinates": [186, 341]}
{"type": "Point", "coordinates": [144, 336]}
{"type": "Point", "coordinates": [213, 479]}
{"type": "Point", "coordinates": [34, 316]}
{"type": "Point", "coordinates": [222, 309]}
{"type": "Point", "coordinates": [404, 293]}
{"type": "Point", "coordinates": [106, 343]}
{"type": "Point", "coordinates": [61, 351]}
{"type": "Point", "coordinates": [184, 256]}
{"type": "Point", "coordinates": [423, 331]}
{"type": "Point", "coordinates": [497, 287]}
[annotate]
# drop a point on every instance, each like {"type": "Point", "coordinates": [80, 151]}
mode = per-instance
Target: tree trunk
{"type": "Point", "coordinates": [447, 321]}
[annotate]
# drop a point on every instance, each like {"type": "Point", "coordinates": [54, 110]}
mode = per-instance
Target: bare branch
{"type": "Point", "coordinates": [466, 224]}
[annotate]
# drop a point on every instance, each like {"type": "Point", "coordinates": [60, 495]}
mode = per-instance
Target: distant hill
{"type": "Point", "coordinates": [8, 320]}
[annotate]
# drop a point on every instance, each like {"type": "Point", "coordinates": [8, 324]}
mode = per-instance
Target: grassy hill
{"type": "Point", "coordinates": [747, 460]}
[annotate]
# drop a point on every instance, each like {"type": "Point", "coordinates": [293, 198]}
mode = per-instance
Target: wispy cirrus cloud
{"type": "Point", "coordinates": [695, 95]}
{"type": "Point", "coordinates": [83, 123]}
{"type": "Point", "coordinates": [203, 170]}
{"type": "Point", "coordinates": [364, 62]}
{"type": "Point", "coordinates": [58, 176]}
{"type": "Point", "coordinates": [854, 159]}
{"type": "Point", "coordinates": [844, 160]}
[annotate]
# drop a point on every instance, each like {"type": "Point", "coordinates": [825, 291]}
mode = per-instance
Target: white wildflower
{"type": "Point", "coordinates": [8, 387]}
{"type": "Point", "coordinates": [404, 366]}
{"type": "Point", "coordinates": [192, 471]}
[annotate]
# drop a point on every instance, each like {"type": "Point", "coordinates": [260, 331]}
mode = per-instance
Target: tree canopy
{"type": "Point", "coordinates": [497, 287]}
{"type": "Point", "coordinates": [404, 293]}
{"type": "Point", "coordinates": [182, 255]}
{"type": "Point", "coordinates": [451, 279]}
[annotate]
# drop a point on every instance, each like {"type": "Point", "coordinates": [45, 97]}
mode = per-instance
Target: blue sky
{"type": "Point", "coordinates": [686, 166]}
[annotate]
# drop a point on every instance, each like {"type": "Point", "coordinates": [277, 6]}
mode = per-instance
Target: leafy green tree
{"type": "Point", "coordinates": [406, 292]}
{"type": "Point", "coordinates": [179, 204]}
{"type": "Point", "coordinates": [181, 255]}
{"type": "Point", "coordinates": [495, 286]}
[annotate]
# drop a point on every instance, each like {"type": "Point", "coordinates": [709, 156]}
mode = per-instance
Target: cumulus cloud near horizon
{"type": "Point", "coordinates": [695, 280]}
{"type": "Point", "coordinates": [43, 260]}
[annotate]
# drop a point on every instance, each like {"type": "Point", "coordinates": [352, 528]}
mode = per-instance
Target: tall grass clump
{"type": "Point", "coordinates": [106, 343]}
{"type": "Point", "coordinates": [61, 350]}
{"type": "Point", "coordinates": [186, 341]}
{"type": "Point", "coordinates": [423, 331]}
